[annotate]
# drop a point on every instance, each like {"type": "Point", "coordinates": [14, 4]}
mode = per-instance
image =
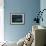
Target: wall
{"type": "Point", "coordinates": [43, 6]}
{"type": "Point", "coordinates": [28, 7]}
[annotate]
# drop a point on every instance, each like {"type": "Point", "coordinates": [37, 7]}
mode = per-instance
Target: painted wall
{"type": "Point", "coordinates": [43, 6]}
{"type": "Point", "coordinates": [28, 7]}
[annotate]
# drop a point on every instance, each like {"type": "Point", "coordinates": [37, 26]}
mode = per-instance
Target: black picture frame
{"type": "Point", "coordinates": [17, 18]}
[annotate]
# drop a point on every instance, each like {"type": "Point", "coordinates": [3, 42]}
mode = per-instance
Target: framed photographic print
{"type": "Point", "coordinates": [17, 18]}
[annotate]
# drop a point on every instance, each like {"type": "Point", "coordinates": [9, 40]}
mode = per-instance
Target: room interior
{"type": "Point", "coordinates": [17, 20]}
